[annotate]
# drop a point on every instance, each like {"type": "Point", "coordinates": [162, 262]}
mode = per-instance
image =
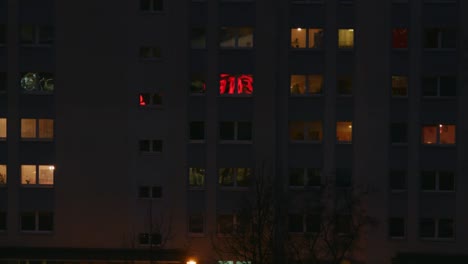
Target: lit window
{"type": "Point", "coordinates": [235, 131]}
{"type": "Point", "coordinates": [236, 84]}
{"type": "Point", "coordinates": [226, 223]}
{"type": "Point", "coordinates": [37, 174]}
{"type": "Point", "coordinates": [343, 177]}
{"type": "Point", "coordinates": [234, 177]}
{"type": "Point", "coordinates": [309, 223]}
{"type": "Point", "coordinates": [197, 84]}
{"type": "Point", "coordinates": [197, 130]}
{"type": "Point", "coordinates": [440, 38]}
{"type": "Point", "coordinates": [196, 177]}
{"type": "Point", "coordinates": [37, 221]}
{"type": "Point", "coordinates": [396, 227]}
{"type": "Point", "coordinates": [236, 37]}
{"type": "Point", "coordinates": [304, 177]}
{"type": "Point", "coordinates": [344, 132]}
{"type": "Point", "coordinates": [437, 180]}
{"type": "Point", "coordinates": [150, 192]}
{"type": "Point", "coordinates": [3, 221]}
{"type": "Point", "coordinates": [3, 128]}
{"type": "Point", "coordinates": [400, 38]}
{"type": "Point", "coordinates": [439, 86]}
{"type": "Point", "coordinates": [397, 180]}
{"type": "Point", "coordinates": [149, 53]}
{"type": "Point", "coordinates": [436, 228]}
{"type": "Point", "coordinates": [145, 239]}
{"type": "Point", "coordinates": [198, 38]}
{"type": "Point", "coordinates": [154, 145]}
{"type": "Point", "coordinates": [3, 174]}
{"type": "Point", "coordinates": [346, 38]}
{"type": "Point", "coordinates": [305, 131]}
{"type": "Point", "coordinates": [441, 134]}
{"type": "Point", "coordinates": [151, 5]}
{"type": "Point", "coordinates": [399, 86]}
{"type": "Point", "coordinates": [345, 85]}
{"type": "Point", "coordinates": [150, 99]}
{"type": "Point", "coordinates": [3, 82]}
{"type": "Point", "coordinates": [398, 133]}
{"type": "Point", "coordinates": [37, 128]}
{"type": "Point", "coordinates": [306, 84]}
{"type": "Point", "coordinates": [37, 35]}
{"type": "Point", "coordinates": [196, 224]}
{"type": "Point", "coordinates": [307, 38]}
{"type": "Point", "coordinates": [37, 82]}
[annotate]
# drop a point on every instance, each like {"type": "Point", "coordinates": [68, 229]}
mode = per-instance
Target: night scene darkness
{"type": "Point", "coordinates": [233, 131]}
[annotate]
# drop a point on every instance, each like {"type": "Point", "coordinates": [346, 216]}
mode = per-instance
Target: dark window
{"type": "Point", "coordinates": [343, 224]}
{"type": "Point", "coordinates": [197, 84]}
{"type": "Point", "coordinates": [2, 34]}
{"type": "Point", "coordinates": [446, 228]}
{"type": "Point", "coordinates": [343, 177]}
{"type": "Point", "coordinates": [196, 224]}
{"type": "Point", "coordinates": [150, 52]}
{"type": "Point", "coordinates": [27, 34]}
{"type": "Point", "coordinates": [446, 181]}
{"type": "Point", "coordinates": [313, 177]}
{"type": "Point", "coordinates": [437, 38]}
{"type": "Point", "coordinates": [244, 131]}
{"type": "Point", "coordinates": [428, 180]}
{"type": "Point", "coordinates": [156, 191]}
{"type": "Point", "coordinates": [147, 239]}
{"type": "Point", "coordinates": [345, 85]}
{"type": "Point", "coordinates": [396, 227]}
{"type": "Point", "coordinates": [400, 38]}
{"type": "Point", "coordinates": [397, 179]}
{"type": "Point", "coordinates": [36, 34]}
{"type": "Point", "coordinates": [3, 82]}
{"type": "Point", "coordinates": [313, 223]}
{"type": "Point", "coordinates": [399, 133]}
{"type": "Point", "coordinates": [225, 224]}
{"type": "Point", "coordinates": [28, 222]}
{"type": "Point", "coordinates": [296, 177]}
{"type": "Point", "coordinates": [145, 145]}
{"type": "Point", "coordinates": [427, 228]}
{"type": "Point", "coordinates": [45, 221]}
{"type": "Point", "coordinates": [226, 130]}
{"type": "Point", "coordinates": [197, 130]}
{"type": "Point", "coordinates": [151, 5]}
{"type": "Point", "coordinates": [399, 85]}
{"type": "Point", "coordinates": [198, 38]}
{"type": "Point", "coordinates": [3, 221]}
{"type": "Point", "coordinates": [151, 145]}
{"type": "Point", "coordinates": [439, 86]}
{"type": "Point", "coordinates": [157, 145]}
{"type": "Point", "coordinates": [295, 223]}
{"type": "Point", "coordinates": [144, 192]}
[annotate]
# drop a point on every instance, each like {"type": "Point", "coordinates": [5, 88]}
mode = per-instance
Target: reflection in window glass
{"type": "Point", "coordinates": [196, 177]}
{"type": "Point", "coordinates": [198, 38]}
{"type": "Point", "coordinates": [236, 37]}
{"type": "Point", "coordinates": [197, 84]}
{"type": "Point", "coordinates": [37, 82]}
{"type": "Point", "coordinates": [28, 128]}
{"type": "Point", "coordinates": [346, 38]}
{"type": "Point", "coordinates": [306, 84]}
{"type": "Point", "coordinates": [28, 174]}
{"type": "Point", "coordinates": [236, 84]}
{"type": "Point", "coordinates": [3, 127]}
{"type": "Point", "coordinates": [344, 131]}
{"type": "Point", "coordinates": [3, 174]}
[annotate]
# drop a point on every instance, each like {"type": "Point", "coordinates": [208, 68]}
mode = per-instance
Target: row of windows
{"type": "Point", "coordinates": [429, 228]}
{"type": "Point", "coordinates": [227, 177]}
{"type": "Point", "coordinates": [430, 180]}
{"type": "Point", "coordinates": [31, 221]}
{"type": "Point", "coordinates": [31, 82]}
{"type": "Point", "coordinates": [31, 175]}
{"type": "Point", "coordinates": [31, 35]}
{"type": "Point", "coordinates": [31, 128]}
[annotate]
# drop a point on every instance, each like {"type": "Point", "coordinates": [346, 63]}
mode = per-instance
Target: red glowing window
{"type": "Point", "coordinates": [400, 38]}
{"type": "Point", "coordinates": [235, 84]}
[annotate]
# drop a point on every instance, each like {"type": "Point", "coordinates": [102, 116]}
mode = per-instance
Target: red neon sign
{"type": "Point", "coordinates": [142, 101]}
{"type": "Point", "coordinates": [235, 84]}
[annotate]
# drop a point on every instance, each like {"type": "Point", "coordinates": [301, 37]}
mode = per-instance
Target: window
{"type": "Point", "coordinates": [235, 131]}
{"type": "Point", "coordinates": [396, 227]}
{"type": "Point", "coordinates": [345, 85]}
{"type": "Point", "coordinates": [234, 177]}
{"type": "Point", "coordinates": [198, 38]}
{"type": "Point", "coordinates": [3, 221]}
{"type": "Point", "coordinates": [437, 180]}
{"type": "Point", "coordinates": [151, 5]}
{"type": "Point", "coordinates": [3, 82]}
{"type": "Point", "coordinates": [2, 35]}
{"type": "Point", "coordinates": [238, 84]}
{"type": "Point", "coordinates": [37, 82]}
{"type": "Point", "coordinates": [397, 180]}
{"type": "Point", "coordinates": [305, 131]}
{"type": "Point", "coordinates": [150, 53]}
{"type": "Point", "coordinates": [441, 134]}
{"type": "Point", "coordinates": [37, 174]}
{"type": "Point", "coordinates": [343, 224]}
{"type": "Point", "coordinates": [436, 228]}
{"type": "Point", "coordinates": [196, 224]}
{"type": "Point", "coordinates": [149, 192]}
{"type": "Point", "coordinates": [37, 128]}
{"type": "Point", "coordinates": [439, 86]}
{"type": "Point", "coordinates": [400, 38]}
{"type": "Point", "coordinates": [198, 84]}
{"type": "Point", "coordinates": [37, 221]}
{"type": "Point", "coordinates": [236, 37]}
{"type": "Point", "coordinates": [398, 133]}
{"type": "Point", "coordinates": [197, 130]}
{"type": "Point", "coordinates": [295, 223]}
{"type": "Point", "coordinates": [145, 239]}
{"type": "Point", "coordinates": [311, 84]}
{"type": "Point", "coordinates": [440, 38]}
{"type": "Point", "coordinates": [196, 177]}
{"type": "Point", "coordinates": [399, 85]}
{"type": "Point", "coordinates": [311, 38]}
{"type": "Point", "coordinates": [150, 99]}
{"type": "Point", "coordinates": [346, 38]}
{"type": "Point", "coordinates": [304, 177]}
{"type": "Point", "coordinates": [226, 223]}
{"type": "Point", "coordinates": [3, 174]}
{"type": "Point", "coordinates": [36, 35]}
{"type": "Point", "coordinates": [153, 146]}
{"type": "Point", "coordinates": [344, 131]}
{"type": "Point", "coordinates": [3, 128]}
{"type": "Point", "coordinates": [343, 177]}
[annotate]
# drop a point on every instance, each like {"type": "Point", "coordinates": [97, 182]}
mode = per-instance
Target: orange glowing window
{"type": "Point", "coordinates": [344, 132]}
{"type": "Point", "coordinates": [438, 134]}
{"type": "Point", "coordinates": [236, 84]}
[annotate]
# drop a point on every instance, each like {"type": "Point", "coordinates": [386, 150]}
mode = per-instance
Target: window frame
{"type": "Point", "coordinates": [235, 181]}
{"type": "Point", "coordinates": [37, 176]}
{"type": "Point", "coordinates": [37, 128]}
{"type": "Point", "coordinates": [3, 177]}
{"type": "Point", "coordinates": [394, 88]}
{"type": "Point", "coordinates": [190, 225]}
{"type": "Point", "coordinates": [235, 139]}
{"type": "Point", "coordinates": [304, 223]}
{"type": "Point", "coordinates": [237, 30]}
{"type": "Point", "coordinates": [344, 142]}
{"type": "Point", "coordinates": [151, 100]}
{"type": "Point", "coordinates": [437, 128]}
{"type": "Point", "coordinates": [390, 228]}
{"type": "Point", "coordinates": [155, 53]}
{"type": "Point", "coordinates": [36, 35]}
{"type": "Point", "coordinates": [201, 172]}
{"type": "Point", "coordinates": [346, 48]}
{"type": "Point", "coordinates": [305, 178]}
{"type": "Point", "coordinates": [151, 9]}
{"type": "Point", "coordinates": [3, 221]}
{"type": "Point", "coordinates": [305, 131]}
{"type": "Point", "coordinates": [307, 38]}
{"type": "Point", "coordinates": [441, 31]}
{"type": "Point", "coordinates": [151, 192]}
{"type": "Point", "coordinates": [3, 129]}
{"type": "Point", "coordinates": [437, 181]}
{"type": "Point", "coordinates": [203, 132]}
{"type": "Point", "coordinates": [153, 148]}
{"type": "Point", "coordinates": [37, 222]}
{"type": "Point", "coordinates": [437, 227]}
{"type": "Point", "coordinates": [439, 88]}
{"type": "Point", "coordinates": [307, 84]}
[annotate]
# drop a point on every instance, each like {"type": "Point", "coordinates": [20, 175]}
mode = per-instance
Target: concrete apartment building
{"type": "Point", "coordinates": [122, 117]}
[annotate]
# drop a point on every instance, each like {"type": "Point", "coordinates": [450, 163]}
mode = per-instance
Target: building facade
{"type": "Point", "coordinates": [130, 130]}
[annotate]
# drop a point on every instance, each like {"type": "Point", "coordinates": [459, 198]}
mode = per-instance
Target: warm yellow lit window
{"type": "Point", "coordinates": [3, 127]}
{"type": "Point", "coordinates": [306, 84]}
{"type": "Point", "coordinates": [37, 128]}
{"type": "Point", "coordinates": [3, 174]}
{"type": "Point", "coordinates": [344, 132]}
{"type": "Point", "coordinates": [307, 38]}
{"type": "Point", "coordinates": [37, 174]}
{"type": "Point", "coordinates": [305, 131]}
{"type": "Point", "coordinates": [346, 38]}
{"type": "Point", "coordinates": [298, 38]}
{"type": "Point", "coordinates": [438, 134]}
